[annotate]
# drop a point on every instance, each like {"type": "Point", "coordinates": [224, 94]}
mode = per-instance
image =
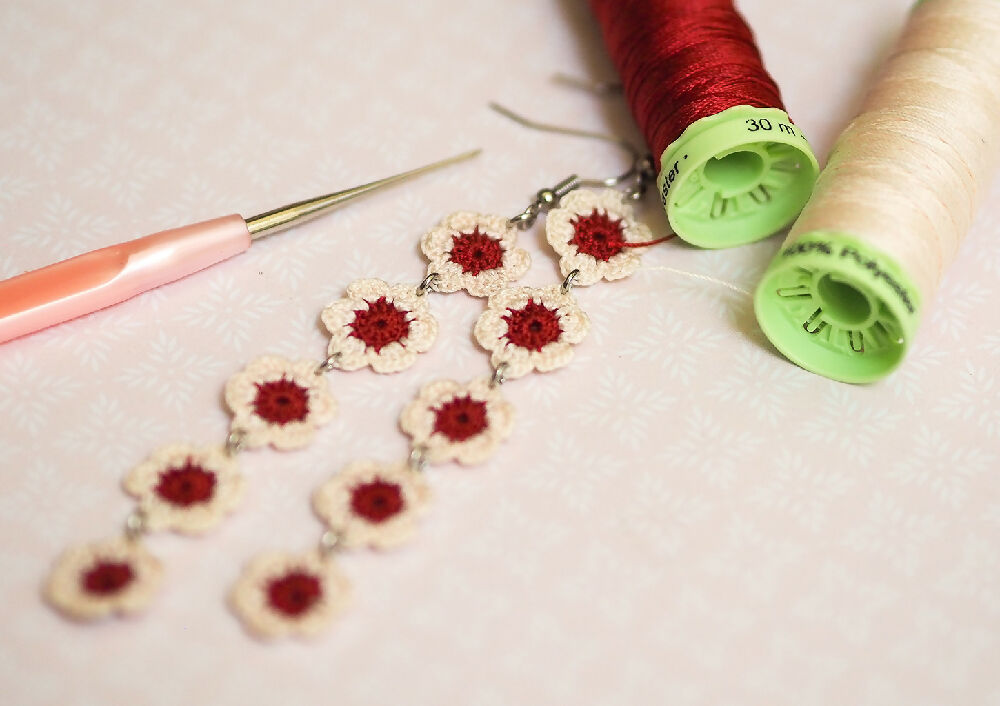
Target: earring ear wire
{"type": "Point", "coordinates": [598, 88]}
{"type": "Point", "coordinates": [637, 177]}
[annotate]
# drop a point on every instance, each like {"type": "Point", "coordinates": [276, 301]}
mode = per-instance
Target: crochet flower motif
{"type": "Point", "coordinates": [531, 329]}
{"type": "Point", "coordinates": [452, 421]}
{"type": "Point", "coordinates": [279, 402]}
{"type": "Point", "coordinates": [185, 489]}
{"type": "Point", "coordinates": [595, 232]}
{"type": "Point", "coordinates": [474, 252]}
{"type": "Point", "coordinates": [102, 579]}
{"type": "Point", "coordinates": [378, 324]}
{"type": "Point", "coordinates": [282, 594]}
{"type": "Point", "coordinates": [369, 504]}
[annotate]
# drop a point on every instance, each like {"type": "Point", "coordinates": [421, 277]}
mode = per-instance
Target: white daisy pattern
{"type": "Point", "coordinates": [184, 488]}
{"type": "Point", "coordinates": [279, 402]}
{"type": "Point", "coordinates": [595, 233]}
{"type": "Point", "coordinates": [281, 594]}
{"type": "Point", "coordinates": [379, 325]}
{"type": "Point", "coordinates": [369, 504]}
{"type": "Point", "coordinates": [102, 579]}
{"type": "Point", "coordinates": [528, 329]}
{"type": "Point", "coordinates": [474, 252]}
{"type": "Point", "coordinates": [451, 421]}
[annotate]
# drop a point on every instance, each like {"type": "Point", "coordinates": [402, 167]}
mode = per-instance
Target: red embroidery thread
{"type": "Point", "coordinates": [185, 486]}
{"type": "Point", "coordinates": [476, 252]}
{"type": "Point", "coordinates": [107, 577]}
{"type": "Point", "coordinates": [533, 327]}
{"type": "Point", "coordinates": [294, 593]}
{"type": "Point", "coordinates": [602, 237]}
{"type": "Point", "coordinates": [460, 418]}
{"type": "Point", "coordinates": [377, 500]}
{"type": "Point", "coordinates": [380, 324]}
{"type": "Point", "coordinates": [281, 401]}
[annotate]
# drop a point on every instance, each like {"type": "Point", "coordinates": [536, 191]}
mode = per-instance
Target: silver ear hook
{"type": "Point", "coordinates": [638, 175]}
{"type": "Point", "coordinates": [600, 88]}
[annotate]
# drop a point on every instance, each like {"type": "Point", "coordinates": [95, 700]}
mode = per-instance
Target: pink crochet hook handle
{"type": "Point", "coordinates": [98, 279]}
{"type": "Point", "coordinates": [95, 280]}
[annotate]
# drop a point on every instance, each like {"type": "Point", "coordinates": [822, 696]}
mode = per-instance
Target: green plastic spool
{"type": "Point", "coordinates": [838, 307]}
{"type": "Point", "coordinates": [736, 177]}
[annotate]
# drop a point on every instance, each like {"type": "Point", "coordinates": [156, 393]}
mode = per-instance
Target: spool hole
{"type": "Point", "coordinates": [736, 172]}
{"type": "Point", "coordinates": [842, 302]}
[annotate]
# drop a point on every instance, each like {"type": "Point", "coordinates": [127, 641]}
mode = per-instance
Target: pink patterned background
{"type": "Point", "coordinates": [681, 516]}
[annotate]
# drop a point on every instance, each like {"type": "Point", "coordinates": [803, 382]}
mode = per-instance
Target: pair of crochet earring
{"type": "Point", "coordinates": [279, 402]}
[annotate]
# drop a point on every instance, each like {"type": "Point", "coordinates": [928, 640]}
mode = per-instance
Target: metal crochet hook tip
{"type": "Point", "coordinates": [100, 278]}
{"type": "Point", "coordinates": [280, 219]}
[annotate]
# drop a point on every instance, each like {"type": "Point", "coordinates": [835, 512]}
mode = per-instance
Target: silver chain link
{"type": "Point", "coordinates": [329, 542]}
{"type": "Point", "coordinates": [135, 524]}
{"type": "Point", "coordinates": [569, 282]}
{"type": "Point", "coordinates": [235, 442]}
{"type": "Point", "coordinates": [427, 284]}
{"type": "Point", "coordinates": [499, 377]}
{"type": "Point", "coordinates": [328, 364]}
{"type": "Point", "coordinates": [418, 459]}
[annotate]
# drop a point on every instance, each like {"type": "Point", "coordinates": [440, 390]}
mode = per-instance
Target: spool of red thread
{"type": "Point", "coordinates": [733, 166]}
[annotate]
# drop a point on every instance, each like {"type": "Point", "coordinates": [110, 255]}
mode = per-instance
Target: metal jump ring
{"type": "Point", "coordinates": [427, 285]}
{"type": "Point", "coordinates": [135, 524]}
{"type": "Point", "coordinates": [235, 442]}
{"type": "Point", "coordinates": [418, 459]}
{"type": "Point", "coordinates": [569, 282]}
{"type": "Point", "coordinates": [329, 541]}
{"type": "Point", "coordinates": [498, 378]}
{"type": "Point", "coordinates": [328, 364]}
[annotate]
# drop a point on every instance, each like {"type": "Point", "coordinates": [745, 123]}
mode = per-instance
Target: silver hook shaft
{"type": "Point", "coordinates": [285, 217]}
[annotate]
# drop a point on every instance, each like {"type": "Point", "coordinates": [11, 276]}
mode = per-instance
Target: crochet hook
{"type": "Point", "coordinates": [83, 284]}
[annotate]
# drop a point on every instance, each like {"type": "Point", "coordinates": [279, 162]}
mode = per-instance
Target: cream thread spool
{"type": "Point", "coordinates": [844, 296]}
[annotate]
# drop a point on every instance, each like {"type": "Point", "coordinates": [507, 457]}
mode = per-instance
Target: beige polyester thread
{"type": "Point", "coordinates": [906, 175]}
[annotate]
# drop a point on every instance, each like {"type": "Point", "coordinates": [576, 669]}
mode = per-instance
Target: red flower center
{"type": "Point", "coordinates": [598, 235]}
{"type": "Point", "coordinates": [107, 577]}
{"type": "Point", "coordinates": [281, 401]}
{"type": "Point", "coordinates": [460, 418]}
{"type": "Point", "coordinates": [476, 252]}
{"type": "Point", "coordinates": [185, 486]}
{"type": "Point", "coordinates": [534, 326]}
{"type": "Point", "coordinates": [380, 324]}
{"type": "Point", "coordinates": [377, 500]}
{"type": "Point", "coordinates": [294, 593]}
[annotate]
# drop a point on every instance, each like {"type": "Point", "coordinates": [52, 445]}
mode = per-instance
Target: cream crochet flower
{"type": "Point", "coordinates": [184, 488]}
{"type": "Point", "coordinates": [282, 594]}
{"type": "Point", "coordinates": [279, 402]}
{"type": "Point", "coordinates": [531, 329]}
{"type": "Point", "coordinates": [104, 578]}
{"type": "Point", "coordinates": [474, 252]}
{"type": "Point", "coordinates": [591, 230]}
{"type": "Point", "coordinates": [369, 504]}
{"type": "Point", "coordinates": [461, 422]}
{"type": "Point", "coordinates": [378, 324]}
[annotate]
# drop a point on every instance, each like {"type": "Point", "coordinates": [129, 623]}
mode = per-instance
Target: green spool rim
{"type": "Point", "coordinates": [736, 177]}
{"type": "Point", "coordinates": [838, 307]}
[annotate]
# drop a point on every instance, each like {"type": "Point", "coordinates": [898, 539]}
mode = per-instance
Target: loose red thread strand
{"type": "Point", "coordinates": [603, 237]}
{"type": "Point", "coordinates": [647, 243]}
{"type": "Point", "coordinates": [683, 60]}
